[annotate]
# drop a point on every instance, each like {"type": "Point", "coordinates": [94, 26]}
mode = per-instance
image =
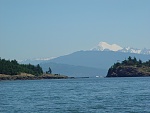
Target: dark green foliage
{"type": "Point", "coordinates": [49, 71]}
{"type": "Point", "coordinates": [129, 59]}
{"type": "Point", "coordinates": [130, 68]}
{"type": "Point", "coordinates": [131, 62]}
{"type": "Point", "coordinates": [13, 68]}
{"type": "Point", "coordinates": [147, 63]}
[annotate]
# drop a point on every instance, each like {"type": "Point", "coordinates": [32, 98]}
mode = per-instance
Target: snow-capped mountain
{"type": "Point", "coordinates": [131, 50]}
{"type": "Point", "coordinates": [104, 46]}
{"type": "Point", "coordinates": [34, 61]}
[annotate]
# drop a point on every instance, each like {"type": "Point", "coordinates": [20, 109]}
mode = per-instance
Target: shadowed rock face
{"type": "Point", "coordinates": [128, 71]}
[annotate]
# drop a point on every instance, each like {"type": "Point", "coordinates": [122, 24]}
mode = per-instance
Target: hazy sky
{"type": "Point", "coordinates": [50, 28]}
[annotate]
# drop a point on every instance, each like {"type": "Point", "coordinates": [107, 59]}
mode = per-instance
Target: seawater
{"type": "Point", "coordinates": [91, 95]}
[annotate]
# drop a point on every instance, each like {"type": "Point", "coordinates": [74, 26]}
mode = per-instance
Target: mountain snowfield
{"type": "Point", "coordinates": [104, 46]}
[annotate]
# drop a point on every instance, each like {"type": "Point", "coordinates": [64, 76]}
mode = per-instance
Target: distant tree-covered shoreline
{"type": "Point", "coordinates": [130, 68]}
{"type": "Point", "coordinates": [12, 67]}
{"type": "Point", "coordinates": [132, 62]}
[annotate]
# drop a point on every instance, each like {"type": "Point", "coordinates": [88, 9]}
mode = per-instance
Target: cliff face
{"type": "Point", "coordinates": [129, 71]}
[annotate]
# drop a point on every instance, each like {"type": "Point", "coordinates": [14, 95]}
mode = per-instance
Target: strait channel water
{"type": "Point", "coordinates": [84, 95]}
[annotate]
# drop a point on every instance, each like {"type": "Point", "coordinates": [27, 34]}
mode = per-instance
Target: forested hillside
{"type": "Point", "coordinates": [130, 68]}
{"type": "Point", "coordinates": [12, 67]}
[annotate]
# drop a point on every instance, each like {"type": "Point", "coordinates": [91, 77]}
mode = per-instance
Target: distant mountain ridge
{"type": "Point", "coordinates": [94, 62]}
{"type": "Point", "coordinates": [34, 61]}
{"type": "Point", "coordinates": [72, 70]}
{"type": "Point", "coordinates": [96, 59]}
{"type": "Point", "coordinates": [82, 62]}
{"type": "Point", "coordinates": [104, 46]}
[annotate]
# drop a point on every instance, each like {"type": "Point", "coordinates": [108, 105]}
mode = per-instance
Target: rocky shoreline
{"type": "Point", "coordinates": [129, 71]}
{"type": "Point", "coordinates": [25, 76]}
{"type": "Point", "coordinates": [130, 67]}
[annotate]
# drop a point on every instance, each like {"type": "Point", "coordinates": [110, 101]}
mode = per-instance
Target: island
{"type": "Point", "coordinates": [130, 68]}
{"type": "Point", "coordinates": [12, 70]}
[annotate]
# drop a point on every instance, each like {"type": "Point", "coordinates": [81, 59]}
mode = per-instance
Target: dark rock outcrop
{"type": "Point", "coordinates": [128, 71]}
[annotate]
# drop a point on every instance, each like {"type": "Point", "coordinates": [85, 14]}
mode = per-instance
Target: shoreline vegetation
{"type": "Point", "coordinates": [12, 70]}
{"type": "Point", "coordinates": [130, 68]}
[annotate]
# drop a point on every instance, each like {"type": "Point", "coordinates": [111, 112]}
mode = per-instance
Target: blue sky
{"type": "Point", "coordinates": [51, 28]}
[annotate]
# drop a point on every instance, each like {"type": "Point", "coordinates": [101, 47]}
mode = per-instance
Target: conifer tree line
{"type": "Point", "coordinates": [12, 67]}
{"type": "Point", "coordinates": [132, 62]}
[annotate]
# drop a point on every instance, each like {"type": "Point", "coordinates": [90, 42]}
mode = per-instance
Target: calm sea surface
{"type": "Point", "coordinates": [91, 95]}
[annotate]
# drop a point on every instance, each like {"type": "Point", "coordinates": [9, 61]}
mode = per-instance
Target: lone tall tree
{"type": "Point", "coordinates": [49, 71]}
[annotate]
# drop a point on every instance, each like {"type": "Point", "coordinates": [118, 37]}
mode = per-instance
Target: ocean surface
{"type": "Point", "coordinates": [84, 95]}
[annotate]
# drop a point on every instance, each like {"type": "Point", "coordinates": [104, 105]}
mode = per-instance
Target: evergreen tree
{"type": "Point", "coordinates": [131, 62]}
{"type": "Point", "coordinates": [129, 59]}
{"type": "Point", "coordinates": [49, 71]}
{"type": "Point", "coordinates": [135, 60]}
{"type": "Point", "coordinates": [13, 68]}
